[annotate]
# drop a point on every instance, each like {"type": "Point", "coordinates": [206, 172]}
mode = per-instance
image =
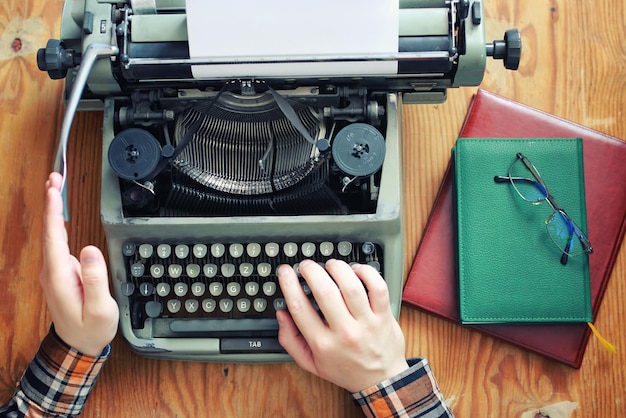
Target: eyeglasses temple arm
{"type": "Point", "coordinates": [532, 169]}
{"type": "Point", "coordinates": [507, 179]}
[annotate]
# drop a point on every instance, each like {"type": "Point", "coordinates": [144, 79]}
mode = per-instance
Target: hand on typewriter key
{"type": "Point", "coordinates": [84, 314]}
{"type": "Point", "coordinates": [358, 343]}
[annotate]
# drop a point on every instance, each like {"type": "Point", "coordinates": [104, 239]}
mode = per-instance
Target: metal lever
{"type": "Point", "coordinates": [92, 53]}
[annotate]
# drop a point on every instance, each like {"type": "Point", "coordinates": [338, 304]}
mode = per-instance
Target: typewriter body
{"type": "Point", "coordinates": [210, 182]}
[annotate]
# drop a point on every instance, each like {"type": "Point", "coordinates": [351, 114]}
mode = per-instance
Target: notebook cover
{"type": "Point", "coordinates": [431, 283]}
{"type": "Point", "coordinates": [508, 268]}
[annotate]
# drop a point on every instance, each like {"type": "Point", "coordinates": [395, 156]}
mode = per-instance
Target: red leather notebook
{"type": "Point", "coordinates": [432, 284]}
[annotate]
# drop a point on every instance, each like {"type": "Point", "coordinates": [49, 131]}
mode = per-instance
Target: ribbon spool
{"type": "Point", "coordinates": [134, 154]}
{"type": "Point", "coordinates": [359, 150]}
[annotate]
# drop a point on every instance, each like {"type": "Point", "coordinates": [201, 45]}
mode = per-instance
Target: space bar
{"type": "Point", "coordinates": [220, 327]}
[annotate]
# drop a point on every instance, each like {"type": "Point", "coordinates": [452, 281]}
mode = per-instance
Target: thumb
{"type": "Point", "coordinates": [94, 275]}
{"type": "Point", "coordinates": [292, 340]}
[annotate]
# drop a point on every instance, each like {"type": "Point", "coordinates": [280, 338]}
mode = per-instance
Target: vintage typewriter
{"type": "Point", "coordinates": [220, 166]}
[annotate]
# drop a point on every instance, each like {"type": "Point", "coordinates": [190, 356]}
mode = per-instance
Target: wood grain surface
{"type": "Point", "coordinates": [573, 65]}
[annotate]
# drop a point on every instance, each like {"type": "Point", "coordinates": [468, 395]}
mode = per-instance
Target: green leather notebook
{"type": "Point", "coordinates": [520, 258]}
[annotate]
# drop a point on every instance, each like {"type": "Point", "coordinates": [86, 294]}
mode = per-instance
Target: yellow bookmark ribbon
{"type": "Point", "coordinates": [602, 340]}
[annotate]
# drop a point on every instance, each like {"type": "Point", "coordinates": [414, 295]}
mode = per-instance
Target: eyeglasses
{"type": "Point", "coordinates": [565, 234]}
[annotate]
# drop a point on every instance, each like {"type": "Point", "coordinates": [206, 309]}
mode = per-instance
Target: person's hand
{"type": "Point", "coordinates": [358, 343]}
{"type": "Point", "coordinates": [84, 314]}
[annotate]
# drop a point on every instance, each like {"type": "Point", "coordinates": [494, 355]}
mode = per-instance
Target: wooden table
{"type": "Point", "coordinates": [573, 65]}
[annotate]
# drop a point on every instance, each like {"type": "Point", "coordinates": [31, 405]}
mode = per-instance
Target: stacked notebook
{"type": "Point", "coordinates": [520, 214]}
{"type": "Point", "coordinates": [432, 283]}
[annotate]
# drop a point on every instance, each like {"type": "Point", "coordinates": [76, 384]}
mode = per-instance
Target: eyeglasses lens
{"type": "Point", "coordinates": [564, 233]}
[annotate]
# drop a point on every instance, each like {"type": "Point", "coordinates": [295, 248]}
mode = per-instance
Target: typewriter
{"type": "Point", "coordinates": [239, 137]}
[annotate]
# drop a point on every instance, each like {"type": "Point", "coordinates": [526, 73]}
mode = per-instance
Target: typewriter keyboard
{"type": "Point", "coordinates": [221, 289]}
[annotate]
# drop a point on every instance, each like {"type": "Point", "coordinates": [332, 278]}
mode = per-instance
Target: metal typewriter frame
{"type": "Point", "coordinates": [385, 227]}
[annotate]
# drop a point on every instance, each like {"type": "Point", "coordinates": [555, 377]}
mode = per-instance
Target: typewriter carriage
{"type": "Point", "coordinates": [441, 45]}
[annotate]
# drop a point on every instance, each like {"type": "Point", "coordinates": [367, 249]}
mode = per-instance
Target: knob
{"type": "Point", "coordinates": [509, 50]}
{"type": "Point", "coordinates": [463, 8]}
{"type": "Point", "coordinates": [56, 59]}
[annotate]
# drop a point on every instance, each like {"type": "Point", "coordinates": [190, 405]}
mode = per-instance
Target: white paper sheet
{"type": "Point", "coordinates": [274, 30]}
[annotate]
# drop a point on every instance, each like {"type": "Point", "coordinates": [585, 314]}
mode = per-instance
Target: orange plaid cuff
{"type": "Point", "coordinates": [412, 393]}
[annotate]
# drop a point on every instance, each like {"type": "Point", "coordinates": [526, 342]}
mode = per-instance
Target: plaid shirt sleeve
{"type": "Point", "coordinates": [56, 383]}
{"type": "Point", "coordinates": [412, 393]}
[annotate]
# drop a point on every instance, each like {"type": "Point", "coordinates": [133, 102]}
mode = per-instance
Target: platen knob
{"type": "Point", "coordinates": [56, 59]}
{"type": "Point", "coordinates": [509, 50]}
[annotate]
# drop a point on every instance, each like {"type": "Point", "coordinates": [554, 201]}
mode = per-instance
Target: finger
{"type": "Point", "coordinates": [54, 233]}
{"type": "Point", "coordinates": [95, 279]}
{"type": "Point", "coordinates": [377, 289]}
{"type": "Point", "coordinates": [304, 315]}
{"type": "Point", "coordinates": [351, 287]}
{"type": "Point", "coordinates": [55, 180]}
{"type": "Point", "coordinates": [292, 340]}
{"type": "Point", "coordinates": [326, 294]}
